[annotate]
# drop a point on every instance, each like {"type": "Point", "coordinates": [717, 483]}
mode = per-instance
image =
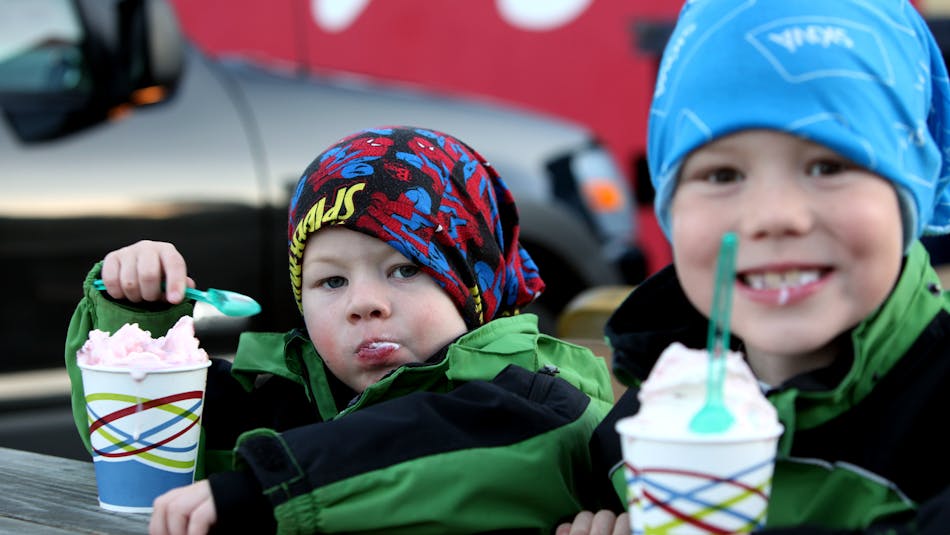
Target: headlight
{"type": "Point", "coordinates": [607, 199]}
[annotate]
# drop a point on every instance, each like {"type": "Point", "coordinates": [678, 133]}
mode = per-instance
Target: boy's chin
{"type": "Point", "coordinates": [778, 357]}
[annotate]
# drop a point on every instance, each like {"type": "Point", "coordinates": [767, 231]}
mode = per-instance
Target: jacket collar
{"type": "Point", "coordinates": [653, 316]}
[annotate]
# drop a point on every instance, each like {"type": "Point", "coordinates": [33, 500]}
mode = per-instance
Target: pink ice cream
{"type": "Point", "coordinates": [676, 389]}
{"type": "Point", "coordinates": [131, 347]}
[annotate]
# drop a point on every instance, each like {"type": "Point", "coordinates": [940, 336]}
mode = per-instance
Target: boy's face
{"type": "Point", "coordinates": [820, 243]}
{"type": "Point", "coordinates": [369, 309]}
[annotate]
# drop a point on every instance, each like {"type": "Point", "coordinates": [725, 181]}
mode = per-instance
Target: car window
{"type": "Point", "coordinates": [40, 46]}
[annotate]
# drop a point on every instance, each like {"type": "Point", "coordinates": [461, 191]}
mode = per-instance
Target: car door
{"type": "Point", "coordinates": [183, 170]}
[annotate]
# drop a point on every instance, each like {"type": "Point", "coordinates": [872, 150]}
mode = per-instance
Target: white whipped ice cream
{"type": "Point", "coordinates": [675, 391]}
{"type": "Point", "coordinates": [134, 348]}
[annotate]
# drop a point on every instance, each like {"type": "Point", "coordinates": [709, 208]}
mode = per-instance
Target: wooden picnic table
{"type": "Point", "coordinates": [46, 495]}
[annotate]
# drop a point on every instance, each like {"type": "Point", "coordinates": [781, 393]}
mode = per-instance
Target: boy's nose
{"type": "Point", "coordinates": [368, 300]}
{"type": "Point", "coordinates": [774, 208]}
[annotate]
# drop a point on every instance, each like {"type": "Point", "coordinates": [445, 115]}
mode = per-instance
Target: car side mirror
{"type": "Point", "coordinates": [89, 60]}
{"type": "Point", "coordinates": [164, 44]}
{"type": "Point", "coordinates": [133, 44]}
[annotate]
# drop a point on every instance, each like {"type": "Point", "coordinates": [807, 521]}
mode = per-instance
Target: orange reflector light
{"type": "Point", "coordinates": [603, 195]}
{"type": "Point", "coordinates": [119, 112]}
{"type": "Point", "coordinates": [148, 95]}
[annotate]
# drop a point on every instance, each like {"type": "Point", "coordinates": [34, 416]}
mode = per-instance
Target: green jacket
{"type": "Point", "coordinates": [862, 449]}
{"type": "Point", "coordinates": [490, 434]}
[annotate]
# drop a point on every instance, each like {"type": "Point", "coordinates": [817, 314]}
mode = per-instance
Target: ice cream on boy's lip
{"type": "Point", "coordinates": [133, 348]}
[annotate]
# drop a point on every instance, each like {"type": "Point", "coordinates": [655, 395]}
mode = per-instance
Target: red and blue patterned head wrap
{"type": "Point", "coordinates": [432, 198]}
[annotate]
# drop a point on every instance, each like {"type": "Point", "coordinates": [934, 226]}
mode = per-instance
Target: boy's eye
{"type": "Point", "coordinates": [333, 282]}
{"type": "Point", "coordinates": [406, 271]}
{"type": "Point", "coordinates": [721, 175]}
{"type": "Point", "coordinates": [826, 167]}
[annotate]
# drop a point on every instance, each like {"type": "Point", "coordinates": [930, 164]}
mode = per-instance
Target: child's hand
{"type": "Point", "coordinates": [136, 272]}
{"type": "Point", "coordinates": [184, 511]}
{"type": "Point", "coordinates": [604, 522]}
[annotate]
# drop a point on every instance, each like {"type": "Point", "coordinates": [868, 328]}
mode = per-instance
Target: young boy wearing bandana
{"type": "Point", "coordinates": [817, 131]}
{"type": "Point", "coordinates": [418, 399]}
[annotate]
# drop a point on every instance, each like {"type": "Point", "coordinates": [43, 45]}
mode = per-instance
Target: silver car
{"type": "Point", "coordinates": [116, 129]}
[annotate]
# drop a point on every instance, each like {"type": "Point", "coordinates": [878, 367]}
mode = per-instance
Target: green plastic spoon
{"type": "Point", "coordinates": [714, 416]}
{"type": "Point", "coordinates": [227, 302]}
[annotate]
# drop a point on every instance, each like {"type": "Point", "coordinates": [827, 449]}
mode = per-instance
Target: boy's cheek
{"type": "Point", "coordinates": [696, 235]}
{"type": "Point", "coordinates": [696, 272]}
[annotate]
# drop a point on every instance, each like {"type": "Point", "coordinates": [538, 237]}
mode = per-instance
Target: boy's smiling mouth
{"type": "Point", "coordinates": [776, 280]}
{"type": "Point", "coordinates": [781, 286]}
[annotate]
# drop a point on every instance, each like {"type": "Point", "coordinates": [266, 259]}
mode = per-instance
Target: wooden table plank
{"type": "Point", "coordinates": [54, 495]}
{"type": "Point", "coordinates": [12, 526]}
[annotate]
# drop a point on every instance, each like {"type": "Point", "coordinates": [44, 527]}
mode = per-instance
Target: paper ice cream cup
{"type": "Point", "coordinates": [144, 428]}
{"type": "Point", "coordinates": [697, 483]}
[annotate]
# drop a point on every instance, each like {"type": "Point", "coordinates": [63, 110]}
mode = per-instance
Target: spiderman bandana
{"type": "Point", "coordinates": [433, 199]}
{"type": "Point", "coordinates": [862, 77]}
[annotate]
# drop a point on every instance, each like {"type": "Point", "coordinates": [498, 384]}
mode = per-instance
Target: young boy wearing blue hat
{"type": "Point", "coordinates": [817, 131]}
{"type": "Point", "coordinates": [417, 399]}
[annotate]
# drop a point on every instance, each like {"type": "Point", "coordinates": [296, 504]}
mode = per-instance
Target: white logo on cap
{"type": "Point", "coordinates": [825, 36]}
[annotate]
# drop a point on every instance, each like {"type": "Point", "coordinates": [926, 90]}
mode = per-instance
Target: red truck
{"type": "Point", "coordinates": [590, 61]}
{"type": "Point", "coordinates": [593, 62]}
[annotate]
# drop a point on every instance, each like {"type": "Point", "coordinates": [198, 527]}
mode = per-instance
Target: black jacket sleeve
{"type": "Point", "coordinates": [494, 432]}
{"type": "Point", "coordinates": [239, 495]}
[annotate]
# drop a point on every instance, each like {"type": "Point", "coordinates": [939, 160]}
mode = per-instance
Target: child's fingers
{"type": "Point", "coordinates": [581, 525]}
{"type": "Point", "coordinates": [622, 526]}
{"type": "Point", "coordinates": [603, 522]}
{"type": "Point", "coordinates": [145, 273]}
{"type": "Point", "coordinates": [119, 273]}
{"type": "Point", "coordinates": [175, 274]}
{"type": "Point", "coordinates": [184, 510]}
{"type": "Point", "coordinates": [203, 517]}
{"type": "Point", "coordinates": [136, 272]}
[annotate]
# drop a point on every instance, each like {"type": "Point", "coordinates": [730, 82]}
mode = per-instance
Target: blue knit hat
{"type": "Point", "coordinates": [862, 77]}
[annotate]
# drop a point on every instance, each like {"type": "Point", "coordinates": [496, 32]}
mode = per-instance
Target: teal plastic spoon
{"type": "Point", "coordinates": [714, 416]}
{"type": "Point", "coordinates": [227, 302]}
